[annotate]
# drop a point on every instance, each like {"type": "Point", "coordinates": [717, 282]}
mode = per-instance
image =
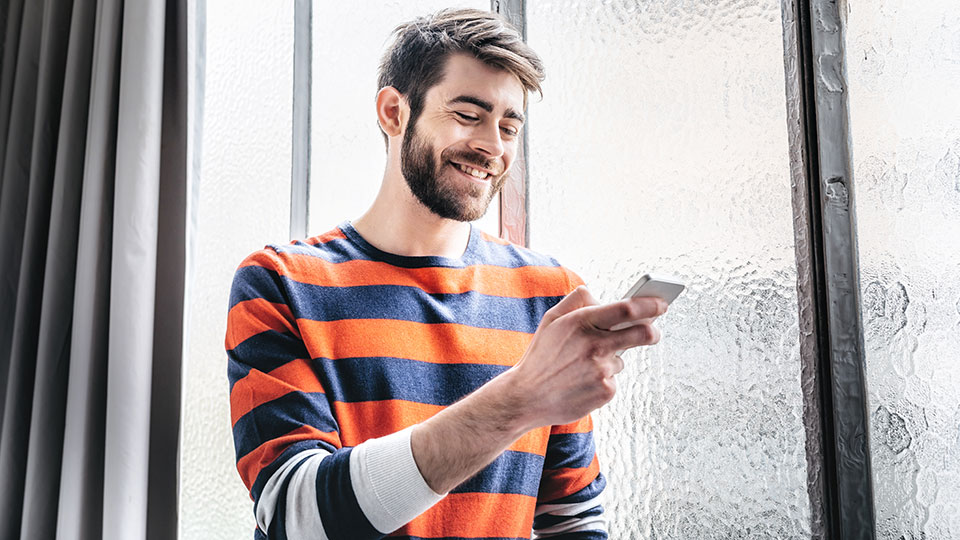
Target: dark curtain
{"type": "Point", "coordinates": [93, 183]}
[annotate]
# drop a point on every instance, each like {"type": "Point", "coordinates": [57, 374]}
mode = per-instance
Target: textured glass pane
{"type": "Point", "coordinates": [347, 156]}
{"type": "Point", "coordinates": [244, 203]}
{"type": "Point", "coordinates": [904, 75]}
{"type": "Point", "coordinates": [661, 146]}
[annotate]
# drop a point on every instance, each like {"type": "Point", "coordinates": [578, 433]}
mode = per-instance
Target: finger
{"type": "Point", "coordinates": [632, 311]}
{"type": "Point", "coordinates": [635, 336]}
{"type": "Point", "coordinates": [621, 326]}
{"type": "Point", "coordinates": [617, 364]}
{"type": "Point", "coordinates": [578, 298]}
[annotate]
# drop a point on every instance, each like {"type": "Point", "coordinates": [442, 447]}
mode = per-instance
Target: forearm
{"type": "Point", "coordinates": [452, 446]}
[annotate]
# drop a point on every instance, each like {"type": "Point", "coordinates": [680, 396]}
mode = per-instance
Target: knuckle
{"type": "Point", "coordinates": [646, 333]}
{"type": "Point", "coordinates": [596, 349]}
{"type": "Point", "coordinates": [629, 311]}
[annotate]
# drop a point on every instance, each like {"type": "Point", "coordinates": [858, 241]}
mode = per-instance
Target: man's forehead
{"type": "Point", "coordinates": [467, 77]}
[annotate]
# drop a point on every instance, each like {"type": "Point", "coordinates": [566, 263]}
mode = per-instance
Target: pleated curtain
{"type": "Point", "coordinates": [93, 180]}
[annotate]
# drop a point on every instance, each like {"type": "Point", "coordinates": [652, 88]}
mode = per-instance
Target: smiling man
{"type": "Point", "coordinates": [406, 374]}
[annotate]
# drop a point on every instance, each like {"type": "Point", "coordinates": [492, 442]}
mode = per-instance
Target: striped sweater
{"type": "Point", "coordinates": [336, 348]}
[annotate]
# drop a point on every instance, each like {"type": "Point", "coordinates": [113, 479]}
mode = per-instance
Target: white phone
{"type": "Point", "coordinates": [668, 288]}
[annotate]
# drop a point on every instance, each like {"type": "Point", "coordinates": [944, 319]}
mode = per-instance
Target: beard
{"type": "Point", "coordinates": [449, 199]}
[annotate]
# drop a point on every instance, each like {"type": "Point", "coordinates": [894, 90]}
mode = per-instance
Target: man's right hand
{"type": "Point", "coordinates": [568, 370]}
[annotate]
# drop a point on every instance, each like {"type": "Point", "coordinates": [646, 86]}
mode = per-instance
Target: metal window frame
{"type": "Point", "coordinates": [302, 81]}
{"type": "Point", "coordinates": [840, 479]}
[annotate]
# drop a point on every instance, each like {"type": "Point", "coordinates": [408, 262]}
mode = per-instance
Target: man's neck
{"type": "Point", "coordinates": [399, 224]}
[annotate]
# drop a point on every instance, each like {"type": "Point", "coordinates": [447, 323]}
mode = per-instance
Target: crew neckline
{"type": "Point", "coordinates": [409, 260]}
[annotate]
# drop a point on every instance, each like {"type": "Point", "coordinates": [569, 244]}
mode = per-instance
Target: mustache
{"type": "Point", "coordinates": [474, 159]}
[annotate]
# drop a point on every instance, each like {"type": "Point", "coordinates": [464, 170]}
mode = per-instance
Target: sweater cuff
{"type": "Point", "coordinates": [387, 482]}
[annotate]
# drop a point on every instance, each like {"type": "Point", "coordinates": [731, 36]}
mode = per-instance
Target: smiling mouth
{"type": "Point", "coordinates": [476, 173]}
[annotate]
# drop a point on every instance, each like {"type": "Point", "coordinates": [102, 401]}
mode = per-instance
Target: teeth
{"type": "Point", "coordinates": [473, 172]}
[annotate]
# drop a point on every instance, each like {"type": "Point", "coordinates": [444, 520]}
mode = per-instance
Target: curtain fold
{"type": "Point", "coordinates": [133, 271]}
{"type": "Point", "coordinates": [13, 223]}
{"type": "Point", "coordinates": [53, 352]}
{"type": "Point", "coordinates": [46, 410]}
{"type": "Point", "coordinates": [93, 183]}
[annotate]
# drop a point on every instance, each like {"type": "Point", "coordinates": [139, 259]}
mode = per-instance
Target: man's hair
{"type": "Point", "coordinates": [416, 59]}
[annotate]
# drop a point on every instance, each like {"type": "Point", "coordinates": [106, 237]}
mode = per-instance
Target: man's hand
{"type": "Point", "coordinates": [566, 372]}
{"type": "Point", "coordinates": [568, 369]}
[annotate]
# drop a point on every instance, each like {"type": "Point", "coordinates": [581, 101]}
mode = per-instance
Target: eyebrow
{"type": "Point", "coordinates": [487, 106]}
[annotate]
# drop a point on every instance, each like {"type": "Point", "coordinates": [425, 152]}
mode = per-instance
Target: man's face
{"type": "Point", "coordinates": [455, 157]}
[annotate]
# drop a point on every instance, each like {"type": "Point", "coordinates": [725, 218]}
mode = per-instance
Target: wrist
{"type": "Point", "coordinates": [510, 394]}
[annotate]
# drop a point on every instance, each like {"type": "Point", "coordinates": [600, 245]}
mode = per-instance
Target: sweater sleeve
{"type": "Point", "coordinates": [303, 481]}
{"type": "Point", "coordinates": [568, 503]}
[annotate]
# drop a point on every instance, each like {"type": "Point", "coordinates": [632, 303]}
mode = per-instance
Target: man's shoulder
{"type": "Point", "coordinates": [501, 251]}
{"type": "Point", "coordinates": [301, 256]}
{"type": "Point", "coordinates": [534, 265]}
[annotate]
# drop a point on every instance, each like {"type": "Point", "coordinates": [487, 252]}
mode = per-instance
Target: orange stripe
{"type": "Point", "coordinates": [559, 483]}
{"type": "Point", "coordinates": [251, 317]}
{"type": "Point", "coordinates": [258, 387]}
{"type": "Point", "coordinates": [251, 464]}
{"type": "Point", "coordinates": [575, 280]}
{"type": "Point", "coordinates": [521, 282]}
{"type": "Point", "coordinates": [351, 338]}
{"type": "Point", "coordinates": [473, 515]}
{"type": "Point", "coordinates": [370, 419]}
{"type": "Point", "coordinates": [584, 425]}
{"type": "Point", "coordinates": [534, 442]}
{"type": "Point", "coordinates": [335, 234]}
{"type": "Point", "coordinates": [494, 239]}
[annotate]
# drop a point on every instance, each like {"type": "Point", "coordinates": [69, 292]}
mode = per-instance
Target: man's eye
{"type": "Point", "coordinates": [467, 116]}
{"type": "Point", "coordinates": [510, 131]}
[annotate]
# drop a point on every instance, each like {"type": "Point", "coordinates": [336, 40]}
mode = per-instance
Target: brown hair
{"type": "Point", "coordinates": [415, 60]}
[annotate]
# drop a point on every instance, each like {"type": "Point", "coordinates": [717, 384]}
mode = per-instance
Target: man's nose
{"type": "Point", "coordinates": [487, 140]}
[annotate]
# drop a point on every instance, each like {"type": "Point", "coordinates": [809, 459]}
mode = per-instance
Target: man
{"type": "Point", "coordinates": [406, 374]}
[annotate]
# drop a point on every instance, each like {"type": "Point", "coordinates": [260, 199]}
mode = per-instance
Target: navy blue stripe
{"type": "Point", "coordinates": [479, 251]}
{"type": "Point", "coordinates": [265, 351]}
{"type": "Point", "coordinates": [321, 303]}
{"type": "Point", "coordinates": [339, 510]}
{"type": "Point", "coordinates": [335, 251]}
{"type": "Point", "coordinates": [585, 494]}
{"type": "Point", "coordinates": [378, 378]}
{"type": "Point", "coordinates": [251, 282]}
{"type": "Point", "coordinates": [267, 472]}
{"type": "Point", "coordinates": [549, 520]}
{"type": "Point", "coordinates": [279, 417]}
{"type": "Point", "coordinates": [569, 451]}
{"type": "Point", "coordinates": [512, 472]}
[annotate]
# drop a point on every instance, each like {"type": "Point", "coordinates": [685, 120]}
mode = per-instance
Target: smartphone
{"type": "Point", "coordinates": [668, 288]}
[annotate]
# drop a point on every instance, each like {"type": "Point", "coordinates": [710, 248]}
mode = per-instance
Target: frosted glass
{"type": "Point", "coordinates": [347, 156]}
{"type": "Point", "coordinates": [903, 63]}
{"type": "Point", "coordinates": [243, 204]}
{"type": "Point", "coordinates": [661, 146]}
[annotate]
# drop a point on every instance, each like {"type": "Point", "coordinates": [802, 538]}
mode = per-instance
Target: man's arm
{"type": "Point", "coordinates": [566, 372]}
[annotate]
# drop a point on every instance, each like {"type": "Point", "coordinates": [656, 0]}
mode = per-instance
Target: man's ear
{"type": "Point", "coordinates": [391, 111]}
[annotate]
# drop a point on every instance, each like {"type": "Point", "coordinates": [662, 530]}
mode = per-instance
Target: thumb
{"type": "Point", "coordinates": [578, 298]}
